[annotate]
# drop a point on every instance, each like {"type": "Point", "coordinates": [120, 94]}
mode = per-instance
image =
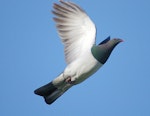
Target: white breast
{"type": "Point", "coordinates": [81, 69]}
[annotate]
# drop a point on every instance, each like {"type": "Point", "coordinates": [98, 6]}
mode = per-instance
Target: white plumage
{"type": "Point", "coordinates": [76, 30]}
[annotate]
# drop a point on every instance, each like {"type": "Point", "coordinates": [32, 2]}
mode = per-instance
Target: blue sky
{"type": "Point", "coordinates": [31, 55]}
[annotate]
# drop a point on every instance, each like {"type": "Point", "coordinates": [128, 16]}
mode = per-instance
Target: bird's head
{"type": "Point", "coordinates": [102, 51]}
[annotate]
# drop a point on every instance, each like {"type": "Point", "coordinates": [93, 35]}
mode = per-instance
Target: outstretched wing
{"type": "Point", "coordinates": [75, 28]}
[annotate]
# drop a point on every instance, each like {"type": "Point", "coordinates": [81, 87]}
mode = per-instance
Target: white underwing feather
{"type": "Point", "coordinates": [75, 29]}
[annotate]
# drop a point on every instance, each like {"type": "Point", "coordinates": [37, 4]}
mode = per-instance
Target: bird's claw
{"type": "Point", "coordinates": [68, 80]}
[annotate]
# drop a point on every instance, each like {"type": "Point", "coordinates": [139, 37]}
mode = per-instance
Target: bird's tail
{"type": "Point", "coordinates": [49, 92]}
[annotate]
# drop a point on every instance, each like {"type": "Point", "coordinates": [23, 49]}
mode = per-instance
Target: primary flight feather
{"type": "Point", "coordinates": [83, 56]}
{"type": "Point", "coordinates": [75, 28]}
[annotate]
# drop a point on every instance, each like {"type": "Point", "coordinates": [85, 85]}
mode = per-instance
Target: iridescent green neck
{"type": "Point", "coordinates": [100, 53]}
{"type": "Point", "coordinates": [104, 49]}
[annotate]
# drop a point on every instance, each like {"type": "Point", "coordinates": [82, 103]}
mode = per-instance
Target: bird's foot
{"type": "Point", "coordinates": [68, 80]}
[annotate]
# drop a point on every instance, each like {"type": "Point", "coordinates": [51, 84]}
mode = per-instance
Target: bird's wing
{"type": "Point", "coordinates": [75, 29]}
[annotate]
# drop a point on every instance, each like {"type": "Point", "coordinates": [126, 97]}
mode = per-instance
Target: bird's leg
{"type": "Point", "coordinates": [68, 80]}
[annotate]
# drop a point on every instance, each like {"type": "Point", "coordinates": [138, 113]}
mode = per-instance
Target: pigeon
{"type": "Point", "coordinates": [83, 57]}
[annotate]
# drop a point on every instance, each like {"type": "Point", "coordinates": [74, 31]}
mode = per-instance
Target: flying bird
{"type": "Point", "coordinates": [82, 55]}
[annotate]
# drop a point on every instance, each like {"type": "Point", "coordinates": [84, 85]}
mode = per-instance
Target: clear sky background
{"type": "Point", "coordinates": [31, 55]}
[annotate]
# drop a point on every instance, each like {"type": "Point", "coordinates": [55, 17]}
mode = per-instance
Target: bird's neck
{"type": "Point", "coordinates": [101, 54]}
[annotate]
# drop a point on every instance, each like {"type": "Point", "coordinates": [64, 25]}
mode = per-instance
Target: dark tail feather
{"type": "Point", "coordinates": [49, 92]}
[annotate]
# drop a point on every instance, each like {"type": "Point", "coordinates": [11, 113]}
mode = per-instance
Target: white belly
{"type": "Point", "coordinates": [81, 69]}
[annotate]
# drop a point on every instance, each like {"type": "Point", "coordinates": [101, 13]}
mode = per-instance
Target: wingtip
{"type": "Point", "coordinates": [109, 37]}
{"type": "Point", "coordinates": [105, 41]}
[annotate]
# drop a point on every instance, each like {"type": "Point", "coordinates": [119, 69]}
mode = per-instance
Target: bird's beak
{"type": "Point", "coordinates": [119, 40]}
